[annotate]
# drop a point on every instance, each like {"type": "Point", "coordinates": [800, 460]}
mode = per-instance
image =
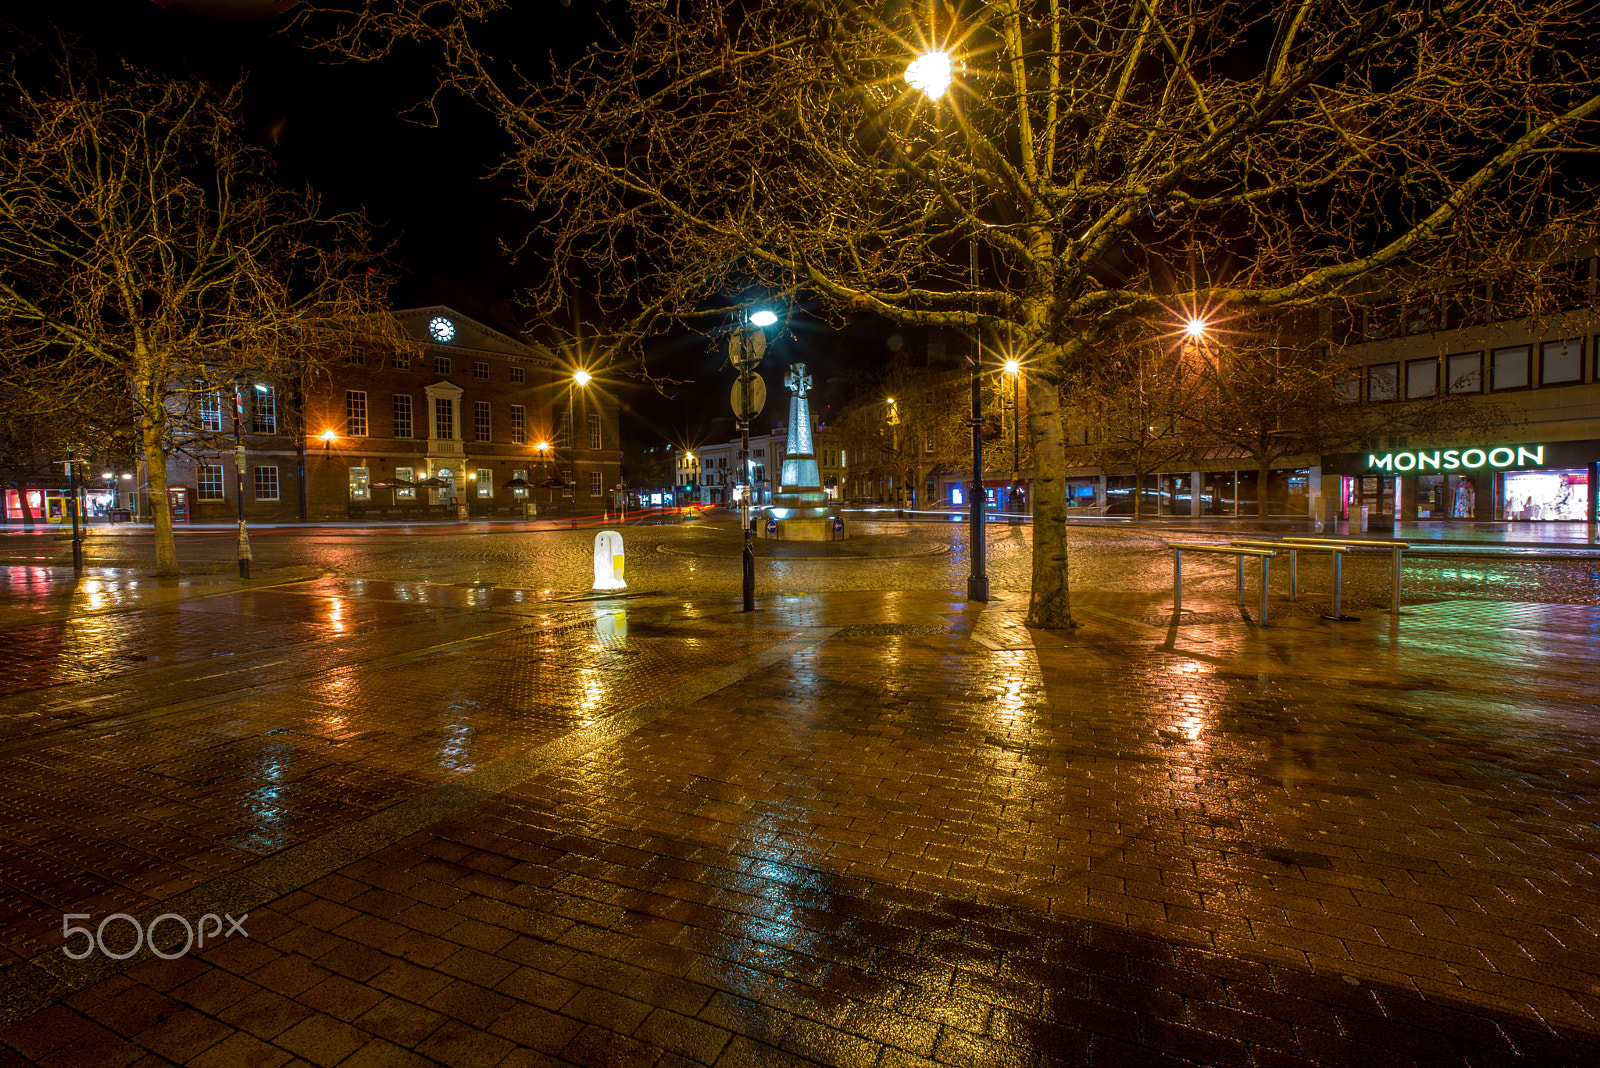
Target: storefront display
{"type": "Point", "coordinates": [1544, 495]}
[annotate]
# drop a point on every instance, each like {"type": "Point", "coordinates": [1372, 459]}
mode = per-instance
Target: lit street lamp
{"type": "Point", "coordinates": [580, 378]}
{"type": "Point", "coordinates": [930, 73]}
{"type": "Point", "coordinates": [1014, 369]}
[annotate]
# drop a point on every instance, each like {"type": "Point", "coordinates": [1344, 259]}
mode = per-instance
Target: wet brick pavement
{"type": "Point", "coordinates": [874, 828]}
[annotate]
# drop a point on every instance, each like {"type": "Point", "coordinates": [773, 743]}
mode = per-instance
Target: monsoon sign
{"type": "Point", "coordinates": [1499, 457]}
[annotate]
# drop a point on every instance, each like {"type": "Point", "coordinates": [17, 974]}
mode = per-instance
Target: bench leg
{"type": "Point", "coordinates": [1294, 575]}
{"type": "Point", "coordinates": [1240, 561]}
{"type": "Point", "coordinates": [1394, 605]}
{"type": "Point", "coordinates": [1177, 582]}
{"type": "Point", "coordinates": [1266, 579]}
{"type": "Point", "coordinates": [1338, 584]}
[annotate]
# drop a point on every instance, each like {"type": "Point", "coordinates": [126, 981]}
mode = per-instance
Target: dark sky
{"type": "Point", "coordinates": [343, 130]}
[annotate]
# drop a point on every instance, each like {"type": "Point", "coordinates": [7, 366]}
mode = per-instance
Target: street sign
{"type": "Point", "coordinates": [758, 396]}
{"type": "Point", "coordinates": [744, 350]}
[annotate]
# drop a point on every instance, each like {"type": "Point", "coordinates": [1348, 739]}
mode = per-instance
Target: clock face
{"type": "Point", "coordinates": [441, 329]}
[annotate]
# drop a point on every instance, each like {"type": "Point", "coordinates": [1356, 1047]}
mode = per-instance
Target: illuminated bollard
{"type": "Point", "coordinates": [608, 561]}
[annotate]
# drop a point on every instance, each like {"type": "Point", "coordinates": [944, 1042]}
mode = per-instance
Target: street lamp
{"type": "Point", "coordinates": [1014, 369]}
{"type": "Point", "coordinates": [580, 378]}
{"type": "Point", "coordinates": [930, 73]}
{"type": "Point", "coordinates": [238, 470]}
{"type": "Point", "coordinates": [744, 351]}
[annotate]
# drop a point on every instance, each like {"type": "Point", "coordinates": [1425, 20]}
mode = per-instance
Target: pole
{"type": "Point", "coordinates": [77, 530]}
{"type": "Point", "coordinates": [238, 479]}
{"type": "Point", "coordinates": [748, 557]}
{"type": "Point", "coordinates": [978, 581]}
{"type": "Point", "coordinates": [572, 450]}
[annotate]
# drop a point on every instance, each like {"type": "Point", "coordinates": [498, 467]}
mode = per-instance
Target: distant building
{"type": "Point", "coordinates": [454, 419]}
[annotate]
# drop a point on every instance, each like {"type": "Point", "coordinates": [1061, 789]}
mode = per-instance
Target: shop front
{"type": "Point", "coordinates": [1512, 482]}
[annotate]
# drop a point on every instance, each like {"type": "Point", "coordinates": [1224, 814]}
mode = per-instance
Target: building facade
{"type": "Point", "coordinates": [455, 417]}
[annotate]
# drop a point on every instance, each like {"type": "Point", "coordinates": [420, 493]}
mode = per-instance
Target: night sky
{"type": "Point", "coordinates": [343, 131]}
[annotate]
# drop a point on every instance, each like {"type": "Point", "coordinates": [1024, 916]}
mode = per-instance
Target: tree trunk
{"type": "Point", "coordinates": [155, 458]}
{"type": "Point", "coordinates": [1050, 605]}
{"type": "Point", "coordinates": [1261, 491]}
{"type": "Point", "coordinates": [22, 499]}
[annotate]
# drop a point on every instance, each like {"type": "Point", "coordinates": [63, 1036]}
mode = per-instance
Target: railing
{"type": "Point", "coordinates": [1240, 555]}
{"type": "Point", "coordinates": [1395, 547]}
{"type": "Point", "coordinates": [1294, 551]}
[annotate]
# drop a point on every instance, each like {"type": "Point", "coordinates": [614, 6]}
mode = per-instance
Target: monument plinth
{"type": "Point", "coordinates": [800, 509]}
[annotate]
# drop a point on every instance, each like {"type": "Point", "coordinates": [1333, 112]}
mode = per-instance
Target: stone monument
{"type": "Point", "coordinates": [800, 510]}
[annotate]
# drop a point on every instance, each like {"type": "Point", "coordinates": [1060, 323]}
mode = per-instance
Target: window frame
{"type": "Point", "coordinates": [480, 370]}
{"type": "Point", "coordinates": [211, 412]}
{"type": "Point", "coordinates": [441, 365]}
{"type": "Point", "coordinates": [444, 419]}
{"type": "Point", "coordinates": [482, 421]}
{"type": "Point", "coordinates": [402, 414]}
{"type": "Point", "coordinates": [519, 424]}
{"type": "Point", "coordinates": [360, 487]}
{"type": "Point", "coordinates": [356, 423]}
{"type": "Point", "coordinates": [277, 485]}
{"type": "Point", "coordinates": [519, 375]}
{"type": "Point", "coordinates": [208, 483]}
{"type": "Point", "coordinates": [400, 361]}
{"type": "Point", "coordinates": [596, 484]}
{"type": "Point", "coordinates": [1420, 365]}
{"type": "Point", "coordinates": [1494, 368]}
{"type": "Point", "coordinates": [1451, 377]}
{"type": "Point", "coordinates": [405, 493]}
{"type": "Point", "coordinates": [483, 477]}
{"type": "Point", "coordinates": [594, 432]}
{"type": "Point", "coordinates": [1544, 363]}
{"type": "Point", "coordinates": [264, 410]}
{"type": "Point", "coordinates": [1394, 383]}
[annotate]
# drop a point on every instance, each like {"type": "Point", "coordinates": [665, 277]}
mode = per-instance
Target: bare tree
{"type": "Point", "coordinates": [142, 239]}
{"type": "Point", "coordinates": [1287, 149]}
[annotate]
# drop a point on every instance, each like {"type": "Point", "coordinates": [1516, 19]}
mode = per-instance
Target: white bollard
{"type": "Point", "coordinates": [608, 561]}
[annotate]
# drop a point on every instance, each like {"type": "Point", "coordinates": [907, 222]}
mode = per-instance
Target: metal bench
{"type": "Point", "coordinates": [1396, 547]}
{"type": "Point", "coordinates": [1294, 550]}
{"type": "Point", "coordinates": [1180, 547]}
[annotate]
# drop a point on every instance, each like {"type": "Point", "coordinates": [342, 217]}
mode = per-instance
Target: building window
{"type": "Point", "coordinates": [519, 375]}
{"type": "Point", "coordinates": [405, 474]}
{"type": "Point", "coordinates": [595, 489]}
{"type": "Point", "coordinates": [355, 413]}
{"type": "Point", "coordinates": [564, 429]}
{"type": "Point", "coordinates": [402, 415]}
{"type": "Point", "coordinates": [441, 365]}
{"type": "Point", "coordinates": [264, 410]}
{"type": "Point", "coordinates": [1508, 368]}
{"type": "Point", "coordinates": [1464, 372]}
{"type": "Point", "coordinates": [1347, 389]}
{"type": "Point", "coordinates": [356, 357]}
{"type": "Point", "coordinates": [400, 361]}
{"type": "Point", "coordinates": [360, 484]}
{"type": "Point", "coordinates": [519, 425]}
{"type": "Point", "coordinates": [1383, 381]}
{"type": "Point", "coordinates": [480, 420]}
{"type": "Point", "coordinates": [485, 484]}
{"type": "Point", "coordinates": [266, 483]}
{"type": "Point", "coordinates": [210, 480]}
{"type": "Point", "coordinates": [444, 418]}
{"type": "Point", "coordinates": [211, 412]}
{"type": "Point", "coordinates": [480, 369]}
{"type": "Point", "coordinates": [1422, 379]}
{"type": "Point", "coordinates": [520, 491]}
{"type": "Point", "coordinates": [594, 431]}
{"type": "Point", "coordinates": [1561, 362]}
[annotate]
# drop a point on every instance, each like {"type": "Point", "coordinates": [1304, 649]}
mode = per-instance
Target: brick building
{"type": "Point", "coordinates": [418, 429]}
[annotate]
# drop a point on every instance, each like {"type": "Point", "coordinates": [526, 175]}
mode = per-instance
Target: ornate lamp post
{"type": "Point", "coordinates": [581, 379]}
{"type": "Point", "coordinates": [744, 350]}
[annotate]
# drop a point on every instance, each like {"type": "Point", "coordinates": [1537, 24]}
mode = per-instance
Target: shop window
{"type": "Point", "coordinates": [1545, 495]}
{"type": "Point", "coordinates": [405, 474]}
{"type": "Point", "coordinates": [209, 478]}
{"type": "Point", "coordinates": [1508, 368]}
{"type": "Point", "coordinates": [485, 484]}
{"type": "Point", "coordinates": [1464, 372]}
{"type": "Point", "coordinates": [1383, 381]}
{"type": "Point", "coordinates": [355, 413]}
{"type": "Point", "coordinates": [1561, 362]}
{"type": "Point", "coordinates": [520, 491]}
{"type": "Point", "coordinates": [360, 484]}
{"type": "Point", "coordinates": [1216, 496]}
{"type": "Point", "coordinates": [1422, 379]}
{"type": "Point", "coordinates": [266, 483]}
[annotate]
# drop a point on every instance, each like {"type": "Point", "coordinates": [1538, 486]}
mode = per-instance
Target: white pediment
{"type": "Point", "coordinates": [466, 336]}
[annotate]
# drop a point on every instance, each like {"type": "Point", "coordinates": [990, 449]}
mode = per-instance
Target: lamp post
{"type": "Point", "coordinates": [930, 74]}
{"type": "Point", "coordinates": [580, 378]}
{"type": "Point", "coordinates": [745, 352]}
{"type": "Point", "coordinates": [1014, 369]}
{"type": "Point", "coordinates": [238, 472]}
{"type": "Point", "coordinates": [71, 463]}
